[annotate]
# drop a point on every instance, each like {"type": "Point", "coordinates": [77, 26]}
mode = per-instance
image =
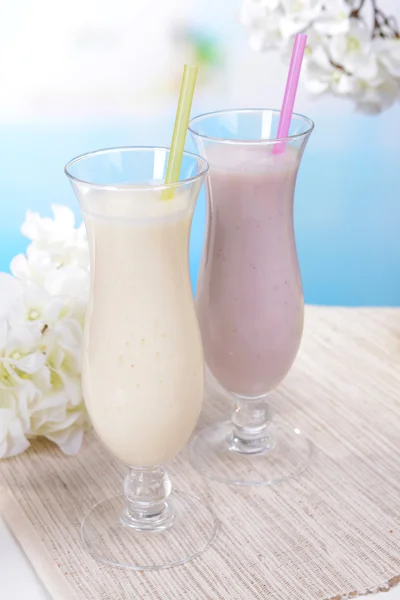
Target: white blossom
{"type": "Point", "coordinates": [262, 19]}
{"type": "Point", "coordinates": [350, 66]}
{"type": "Point", "coordinates": [354, 52]}
{"type": "Point", "coordinates": [56, 243]}
{"type": "Point", "coordinates": [320, 74]}
{"type": "Point", "coordinates": [347, 55]}
{"type": "Point", "coordinates": [42, 308]}
{"type": "Point", "coordinates": [15, 399]}
{"type": "Point", "coordinates": [388, 53]}
{"type": "Point", "coordinates": [380, 94]}
{"type": "Point", "coordinates": [298, 16]}
{"type": "Point", "coordinates": [334, 19]}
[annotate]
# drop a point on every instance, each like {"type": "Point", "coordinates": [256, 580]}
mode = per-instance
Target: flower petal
{"type": "Point", "coordinates": [64, 218]}
{"type": "Point", "coordinates": [31, 363]}
{"type": "Point", "coordinates": [12, 438]}
{"type": "Point", "coordinates": [69, 441]}
{"type": "Point", "coordinates": [10, 291]}
{"type": "Point", "coordinates": [19, 266]}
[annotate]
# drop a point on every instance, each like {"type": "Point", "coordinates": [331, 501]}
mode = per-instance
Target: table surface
{"type": "Point", "coordinates": [19, 581]}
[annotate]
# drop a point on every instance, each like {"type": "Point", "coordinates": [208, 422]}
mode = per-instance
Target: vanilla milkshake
{"type": "Point", "coordinates": [142, 365]}
{"type": "Point", "coordinates": [143, 359]}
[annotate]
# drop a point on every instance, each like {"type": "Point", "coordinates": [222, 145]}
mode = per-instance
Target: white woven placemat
{"type": "Point", "coordinates": [333, 532]}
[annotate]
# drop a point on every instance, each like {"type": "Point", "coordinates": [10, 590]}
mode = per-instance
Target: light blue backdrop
{"type": "Point", "coordinates": [347, 201]}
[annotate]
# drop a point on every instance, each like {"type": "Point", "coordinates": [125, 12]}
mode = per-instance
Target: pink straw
{"type": "Point", "coordinates": [292, 82]}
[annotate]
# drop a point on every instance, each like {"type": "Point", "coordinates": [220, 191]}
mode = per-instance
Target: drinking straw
{"type": "Point", "coordinates": [291, 89]}
{"type": "Point", "coordinates": [180, 128]}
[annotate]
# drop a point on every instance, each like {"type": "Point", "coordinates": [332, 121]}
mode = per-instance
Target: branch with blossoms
{"type": "Point", "coordinates": [353, 48]}
{"type": "Point", "coordinates": [383, 26]}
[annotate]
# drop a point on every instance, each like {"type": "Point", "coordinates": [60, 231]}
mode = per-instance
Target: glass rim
{"type": "Point", "coordinates": [203, 168]}
{"type": "Point", "coordinates": [262, 141]}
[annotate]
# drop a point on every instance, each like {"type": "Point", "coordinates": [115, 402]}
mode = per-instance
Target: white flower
{"type": "Point", "coordinates": [334, 19]}
{"type": "Point", "coordinates": [347, 54]}
{"type": "Point", "coordinates": [388, 53]}
{"type": "Point", "coordinates": [350, 66]}
{"type": "Point", "coordinates": [298, 16]}
{"type": "Point", "coordinates": [378, 95]}
{"type": "Point", "coordinates": [262, 19]}
{"type": "Point", "coordinates": [57, 261]}
{"type": "Point", "coordinates": [354, 52]}
{"type": "Point", "coordinates": [11, 290]}
{"type": "Point", "coordinates": [15, 399]}
{"type": "Point", "coordinates": [320, 75]}
{"type": "Point", "coordinates": [42, 312]}
{"type": "Point", "coordinates": [55, 244]}
{"type": "Point", "coordinates": [58, 236]}
{"type": "Point", "coordinates": [20, 360]}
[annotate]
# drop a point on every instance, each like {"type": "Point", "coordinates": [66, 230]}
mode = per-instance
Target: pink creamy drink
{"type": "Point", "coordinates": [249, 294]}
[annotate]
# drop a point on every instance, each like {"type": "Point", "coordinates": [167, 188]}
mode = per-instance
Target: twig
{"type": "Point", "coordinates": [385, 27]}
{"type": "Point", "coordinates": [355, 14]}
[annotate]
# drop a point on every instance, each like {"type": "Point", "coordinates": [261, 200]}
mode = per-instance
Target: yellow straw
{"type": "Point", "coordinates": [180, 128]}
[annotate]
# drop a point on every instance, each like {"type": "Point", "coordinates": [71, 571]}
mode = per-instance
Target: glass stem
{"type": "Point", "coordinates": [251, 420]}
{"type": "Point", "coordinates": [147, 492]}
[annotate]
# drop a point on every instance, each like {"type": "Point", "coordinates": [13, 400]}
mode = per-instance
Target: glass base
{"type": "Point", "coordinates": [108, 540]}
{"type": "Point", "coordinates": [286, 456]}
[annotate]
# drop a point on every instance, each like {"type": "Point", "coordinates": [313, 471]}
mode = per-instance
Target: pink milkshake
{"type": "Point", "coordinates": [249, 295]}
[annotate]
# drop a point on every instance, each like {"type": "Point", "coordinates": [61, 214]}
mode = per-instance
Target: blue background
{"type": "Point", "coordinates": [347, 214]}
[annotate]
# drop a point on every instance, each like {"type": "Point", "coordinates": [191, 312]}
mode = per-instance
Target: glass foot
{"type": "Point", "coordinates": [286, 456]}
{"type": "Point", "coordinates": [108, 540]}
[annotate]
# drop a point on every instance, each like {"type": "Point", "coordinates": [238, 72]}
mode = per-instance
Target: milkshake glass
{"type": "Point", "coordinates": [143, 365]}
{"type": "Point", "coordinates": [249, 293]}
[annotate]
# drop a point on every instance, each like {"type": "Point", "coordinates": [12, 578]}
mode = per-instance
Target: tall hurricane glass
{"type": "Point", "coordinates": [249, 293]}
{"type": "Point", "coordinates": [143, 366]}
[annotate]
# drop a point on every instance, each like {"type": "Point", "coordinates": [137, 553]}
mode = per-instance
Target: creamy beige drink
{"type": "Point", "coordinates": [143, 366]}
{"type": "Point", "coordinates": [143, 360]}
